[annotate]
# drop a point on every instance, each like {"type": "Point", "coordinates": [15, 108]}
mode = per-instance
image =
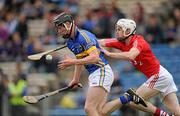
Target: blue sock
{"type": "Point", "coordinates": [125, 100]}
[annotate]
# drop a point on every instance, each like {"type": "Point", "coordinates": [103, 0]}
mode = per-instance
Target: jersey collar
{"type": "Point", "coordinates": [132, 39]}
{"type": "Point", "coordinates": [76, 32]}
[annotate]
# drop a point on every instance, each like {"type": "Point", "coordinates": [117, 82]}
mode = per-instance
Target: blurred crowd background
{"type": "Point", "coordinates": [26, 29]}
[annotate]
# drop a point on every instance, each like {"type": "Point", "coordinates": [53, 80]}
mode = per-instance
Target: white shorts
{"type": "Point", "coordinates": [102, 77]}
{"type": "Point", "coordinates": [162, 82]}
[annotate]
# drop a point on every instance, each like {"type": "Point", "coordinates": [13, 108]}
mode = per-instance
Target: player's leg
{"type": "Point", "coordinates": [172, 103]}
{"type": "Point", "coordinates": [161, 83]}
{"type": "Point", "coordinates": [100, 82]}
{"type": "Point", "coordinates": [95, 97]}
{"type": "Point", "coordinates": [148, 93]}
{"type": "Point", "coordinates": [170, 99]}
{"type": "Point", "coordinates": [145, 93]}
{"type": "Point", "coordinates": [111, 106]}
{"type": "Point", "coordinates": [130, 95]}
{"type": "Point", "coordinates": [101, 105]}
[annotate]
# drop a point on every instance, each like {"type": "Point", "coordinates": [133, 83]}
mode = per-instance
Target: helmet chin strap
{"type": "Point", "coordinates": [122, 39]}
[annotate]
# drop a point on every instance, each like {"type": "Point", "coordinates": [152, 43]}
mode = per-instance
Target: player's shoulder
{"type": "Point", "coordinates": [87, 36]}
{"type": "Point", "coordinates": [139, 38]}
{"type": "Point", "coordinates": [87, 33]}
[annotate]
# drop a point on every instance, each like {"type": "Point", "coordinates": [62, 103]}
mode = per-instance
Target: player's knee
{"type": "Point", "coordinates": [176, 114]}
{"type": "Point", "coordinates": [102, 113]}
{"type": "Point", "coordinates": [175, 111]}
{"type": "Point", "coordinates": [89, 108]}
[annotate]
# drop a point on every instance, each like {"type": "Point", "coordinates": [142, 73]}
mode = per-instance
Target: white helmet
{"type": "Point", "coordinates": [127, 24]}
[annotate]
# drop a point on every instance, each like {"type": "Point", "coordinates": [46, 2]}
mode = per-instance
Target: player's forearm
{"type": "Point", "coordinates": [87, 60]}
{"type": "Point", "coordinates": [102, 42]}
{"type": "Point", "coordinates": [121, 56]}
{"type": "Point", "coordinates": [77, 72]}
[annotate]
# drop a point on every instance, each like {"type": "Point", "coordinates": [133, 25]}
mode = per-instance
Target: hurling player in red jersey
{"type": "Point", "coordinates": [136, 50]}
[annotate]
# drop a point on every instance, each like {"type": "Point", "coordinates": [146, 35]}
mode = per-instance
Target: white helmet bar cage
{"type": "Point", "coordinates": [127, 24]}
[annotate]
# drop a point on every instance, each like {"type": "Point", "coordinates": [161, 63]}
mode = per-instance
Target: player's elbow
{"type": "Point", "coordinates": [133, 53]}
{"type": "Point", "coordinates": [130, 56]}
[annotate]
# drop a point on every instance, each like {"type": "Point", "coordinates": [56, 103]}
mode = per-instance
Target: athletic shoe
{"type": "Point", "coordinates": [135, 98]}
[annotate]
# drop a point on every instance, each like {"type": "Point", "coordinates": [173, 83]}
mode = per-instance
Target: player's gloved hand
{"type": "Point", "coordinates": [135, 98]}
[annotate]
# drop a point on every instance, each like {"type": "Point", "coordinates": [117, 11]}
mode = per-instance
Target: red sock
{"type": "Point", "coordinates": [158, 112]}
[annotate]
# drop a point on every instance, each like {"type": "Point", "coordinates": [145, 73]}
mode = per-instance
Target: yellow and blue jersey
{"type": "Point", "coordinates": [83, 43]}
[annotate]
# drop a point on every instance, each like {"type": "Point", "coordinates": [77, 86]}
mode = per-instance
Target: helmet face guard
{"type": "Point", "coordinates": [60, 20]}
{"type": "Point", "coordinates": [126, 24]}
{"type": "Point", "coordinates": [122, 39]}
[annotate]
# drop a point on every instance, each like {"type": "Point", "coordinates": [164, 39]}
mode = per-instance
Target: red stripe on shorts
{"type": "Point", "coordinates": [152, 83]}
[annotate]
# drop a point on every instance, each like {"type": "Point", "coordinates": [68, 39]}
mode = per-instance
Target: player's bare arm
{"type": "Point", "coordinates": [77, 74]}
{"type": "Point", "coordinates": [92, 58]}
{"type": "Point", "coordinates": [130, 55]}
{"type": "Point", "coordinates": [102, 42]}
{"type": "Point", "coordinates": [66, 63]}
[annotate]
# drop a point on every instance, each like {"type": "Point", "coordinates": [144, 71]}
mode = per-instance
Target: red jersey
{"type": "Point", "coordinates": [146, 62]}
